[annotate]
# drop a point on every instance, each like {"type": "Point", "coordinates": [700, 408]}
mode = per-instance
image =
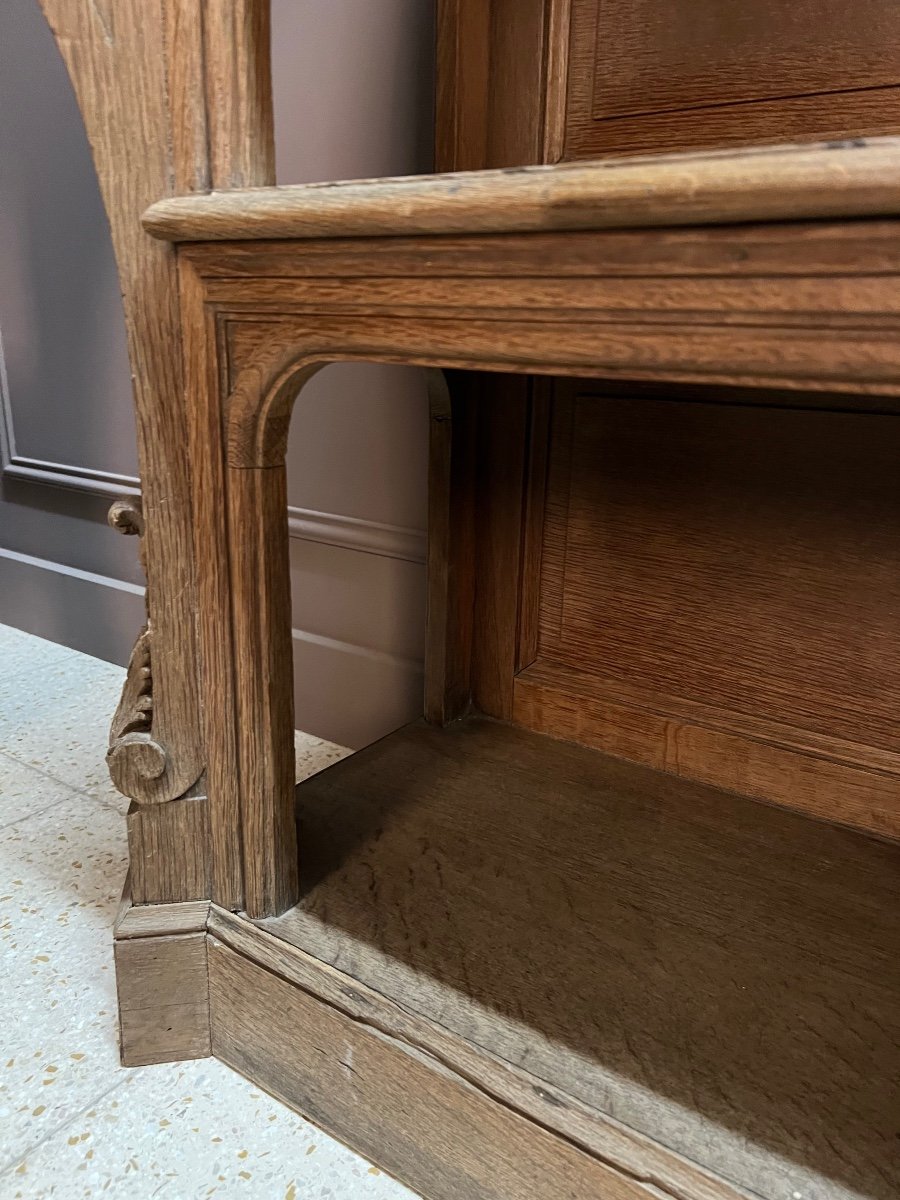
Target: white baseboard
{"type": "Point", "coordinates": [348, 694]}
{"type": "Point", "coordinates": [92, 613]}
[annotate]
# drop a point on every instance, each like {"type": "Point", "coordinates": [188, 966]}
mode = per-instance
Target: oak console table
{"type": "Point", "coordinates": [501, 964]}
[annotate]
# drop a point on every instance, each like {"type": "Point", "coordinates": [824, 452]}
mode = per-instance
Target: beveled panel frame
{"type": "Point", "coordinates": [800, 306]}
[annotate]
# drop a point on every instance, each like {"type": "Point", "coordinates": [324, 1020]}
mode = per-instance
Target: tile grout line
{"type": "Point", "coordinates": [30, 815]}
{"type": "Point", "coordinates": [21, 1157]}
{"type": "Point", "coordinates": [21, 762]}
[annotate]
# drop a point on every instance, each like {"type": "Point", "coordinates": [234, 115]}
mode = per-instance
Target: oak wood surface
{"type": "Point", "coordinates": [175, 96]}
{"type": "Point", "coordinates": [511, 1087]}
{"type": "Point", "coordinates": [810, 305]}
{"type": "Point", "coordinates": [163, 998]}
{"type": "Point", "coordinates": [215, 634]}
{"type": "Point", "coordinates": [534, 504]}
{"type": "Point", "coordinates": [429, 1126]}
{"type": "Point", "coordinates": [756, 757]}
{"type": "Point", "coordinates": [712, 972]}
{"type": "Point", "coordinates": [726, 572]}
{"type": "Point", "coordinates": [497, 74]}
{"type": "Point", "coordinates": [169, 851]}
{"type": "Point", "coordinates": [153, 920]}
{"type": "Point", "coordinates": [450, 571]}
{"type": "Point", "coordinates": [644, 76]}
{"type": "Point", "coordinates": [261, 595]}
{"type": "Point", "coordinates": [500, 469]}
{"type": "Point", "coordinates": [117, 61]}
{"type": "Point", "coordinates": [789, 306]}
{"type": "Point", "coordinates": [583, 966]}
{"type": "Point", "coordinates": [492, 75]}
{"type": "Point", "coordinates": [708, 53]}
{"type": "Point", "coordinates": [853, 179]}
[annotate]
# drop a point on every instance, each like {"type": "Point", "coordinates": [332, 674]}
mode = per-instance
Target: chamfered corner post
{"type": "Point", "coordinates": [242, 551]}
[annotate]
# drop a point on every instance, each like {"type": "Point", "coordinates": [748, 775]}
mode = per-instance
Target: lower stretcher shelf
{"type": "Point", "coordinates": [717, 974]}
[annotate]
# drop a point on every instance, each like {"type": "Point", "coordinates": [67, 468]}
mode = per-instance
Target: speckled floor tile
{"type": "Point", "coordinates": [315, 754]}
{"type": "Point", "coordinates": [73, 1123]}
{"type": "Point", "coordinates": [56, 717]}
{"type": "Point", "coordinates": [23, 653]}
{"type": "Point", "coordinates": [193, 1130]}
{"type": "Point", "coordinates": [25, 790]}
{"type": "Point", "coordinates": [61, 872]}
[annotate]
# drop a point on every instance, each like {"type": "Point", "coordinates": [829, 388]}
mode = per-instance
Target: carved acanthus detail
{"type": "Point", "coordinates": [136, 761]}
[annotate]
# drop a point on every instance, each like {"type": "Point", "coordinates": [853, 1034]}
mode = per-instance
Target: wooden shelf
{"type": "Point", "coordinates": [857, 178]}
{"type": "Point", "coordinates": [716, 974]}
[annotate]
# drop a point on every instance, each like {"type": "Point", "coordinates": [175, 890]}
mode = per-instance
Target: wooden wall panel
{"type": "Point", "coordinates": [733, 567]}
{"type": "Point", "coordinates": [499, 103]}
{"type": "Point", "coordinates": [647, 77]}
{"type": "Point", "coordinates": [654, 58]}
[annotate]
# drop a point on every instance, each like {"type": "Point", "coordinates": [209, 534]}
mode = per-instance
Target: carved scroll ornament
{"type": "Point", "coordinates": [134, 758]}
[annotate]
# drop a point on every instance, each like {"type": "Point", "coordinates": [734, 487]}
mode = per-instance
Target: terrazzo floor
{"type": "Point", "coordinates": [73, 1123]}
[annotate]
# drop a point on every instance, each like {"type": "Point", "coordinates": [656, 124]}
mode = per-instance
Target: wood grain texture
{"type": "Point", "coordinates": [261, 597]}
{"type": "Point", "coordinates": [791, 326]}
{"type": "Point", "coordinates": [648, 77]}
{"type": "Point", "coordinates": [203, 375]}
{"type": "Point", "coordinates": [636, 1157]}
{"type": "Point", "coordinates": [534, 504]}
{"type": "Point", "coordinates": [163, 998]}
{"type": "Point", "coordinates": [558, 15]}
{"type": "Point", "coordinates": [501, 457]}
{"type": "Point", "coordinates": [791, 312]}
{"type": "Point", "coordinates": [515, 81]}
{"type": "Point", "coordinates": [117, 63]}
{"type": "Point", "coordinates": [490, 83]}
{"type": "Point", "coordinates": [810, 306]}
{"type": "Point", "coordinates": [772, 184]}
{"type": "Point", "coordinates": [711, 54]}
{"type": "Point", "coordinates": [720, 594]}
{"type": "Point", "coordinates": [815, 775]}
{"type": "Point", "coordinates": [169, 850]}
{"type": "Point", "coordinates": [154, 920]}
{"type": "Point", "coordinates": [712, 972]}
{"type": "Point", "coordinates": [501, 74]}
{"type": "Point", "coordinates": [821, 248]}
{"type": "Point", "coordinates": [462, 69]}
{"type": "Point", "coordinates": [237, 81]}
{"type": "Point", "coordinates": [151, 80]}
{"type": "Point", "coordinates": [497, 68]}
{"type": "Point", "coordinates": [422, 1122]}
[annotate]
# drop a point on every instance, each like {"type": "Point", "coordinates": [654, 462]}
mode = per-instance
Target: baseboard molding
{"type": "Point", "coordinates": [352, 695]}
{"type": "Point", "coordinates": [345, 693]}
{"type": "Point", "coordinates": [306, 524]}
{"type": "Point", "coordinates": [95, 614]}
{"type": "Point", "coordinates": [432, 1108]}
{"type": "Point", "coordinates": [353, 533]}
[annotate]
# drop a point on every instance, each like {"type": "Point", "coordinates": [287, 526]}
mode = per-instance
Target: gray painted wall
{"type": "Point", "coordinates": [353, 85]}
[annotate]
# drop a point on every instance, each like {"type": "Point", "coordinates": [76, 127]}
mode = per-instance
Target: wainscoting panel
{"type": "Point", "coordinates": [359, 624]}
{"type": "Point", "coordinates": [349, 694]}
{"type": "Point", "coordinates": [352, 84]}
{"type": "Point", "coordinates": [92, 613]}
